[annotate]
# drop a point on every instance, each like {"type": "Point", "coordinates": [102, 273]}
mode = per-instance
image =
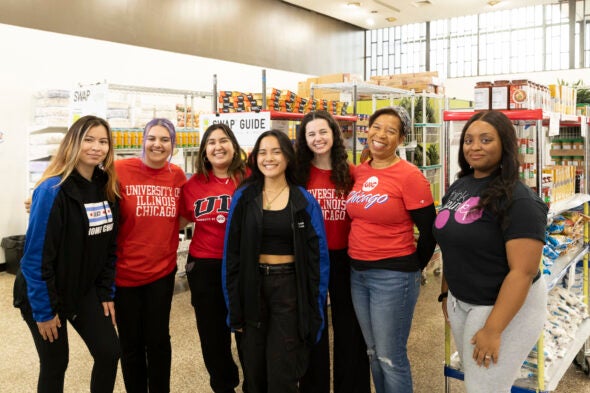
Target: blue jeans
{"type": "Point", "coordinates": [384, 302]}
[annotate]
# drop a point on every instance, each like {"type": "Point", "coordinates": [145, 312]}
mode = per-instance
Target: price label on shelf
{"type": "Point", "coordinates": [554, 123]}
{"type": "Point", "coordinates": [247, 126]}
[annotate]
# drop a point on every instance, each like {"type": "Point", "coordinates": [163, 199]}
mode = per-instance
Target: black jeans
{"type": "Point", "coordinates": [204, 279]}
{"type": "Point", "coordinates": [143, 319]}
{"type": "Point", "coordinates": [275, 357]}
{"type": "Point", "coordinates": [351, 363]}
{"type": "Point", "coordinates": [98, 334]}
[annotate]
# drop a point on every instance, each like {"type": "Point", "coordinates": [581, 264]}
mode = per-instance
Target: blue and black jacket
{"type": "Point", "coordinates": [240, 273]}
{"type": "Point", "coordinates": [69, 247]}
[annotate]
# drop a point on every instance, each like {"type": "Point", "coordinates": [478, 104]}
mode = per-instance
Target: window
{"type": "Point", "coordinates": [534, 38]}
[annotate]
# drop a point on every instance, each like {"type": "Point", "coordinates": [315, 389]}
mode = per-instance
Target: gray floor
{"type": "Point", "coordinates": [19, 363]}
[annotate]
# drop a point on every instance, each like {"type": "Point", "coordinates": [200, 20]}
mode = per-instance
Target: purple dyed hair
{"type": "Point", "coordinates": [167, 124]}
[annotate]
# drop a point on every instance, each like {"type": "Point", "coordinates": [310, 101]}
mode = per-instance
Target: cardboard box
{"type": "Point", "coordinates": [338, 78]}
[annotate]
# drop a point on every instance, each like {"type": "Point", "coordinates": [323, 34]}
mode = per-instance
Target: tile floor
{"type": "Point", "coordinates": [19, 362]}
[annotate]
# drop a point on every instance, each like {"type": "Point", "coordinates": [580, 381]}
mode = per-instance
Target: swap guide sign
{"type": "Point", "coordinates": [247, 126]}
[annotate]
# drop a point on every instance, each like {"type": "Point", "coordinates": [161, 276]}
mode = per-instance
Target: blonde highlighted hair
{"type": "Point", "coordinates": [68, 155]}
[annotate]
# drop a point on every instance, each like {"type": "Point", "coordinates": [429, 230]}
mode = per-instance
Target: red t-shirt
{"type": "Point", "coordinates": [206, 203]}
{"type": "Point", "coordinates": [378, 206]}
{"type": "Point", "coordinates": [333, 206]}
{"type": "Point", "coordinates": [148, 235]}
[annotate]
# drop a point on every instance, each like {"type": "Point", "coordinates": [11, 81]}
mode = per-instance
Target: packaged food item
{"type": "Point", "coordinates": [500, 95]}
{"type": "Point", "coordinates": [520, 94]}
{"type": "Point", "coordinates": [482, 96]}
{"type": "Point", "coordinates": [556, 144]}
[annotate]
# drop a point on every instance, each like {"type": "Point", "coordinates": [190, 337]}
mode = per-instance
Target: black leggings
{"type": "Point", "coordinates": [143, 320]}
{"type": "Point", "coordinates": [204, 279]}
{"type": "Point", "coordinates": [98, 334]}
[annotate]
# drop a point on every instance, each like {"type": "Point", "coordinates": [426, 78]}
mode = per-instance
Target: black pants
{"type": "Point", "coordinates": [143, 319]}
{"type": "Point", "coordinates": [351, 363]}
{"type": "Point", "coordinates": [98, 334]}
{"type": "Point", "coordinates": [275, 357]}
{"type": "Point", "coordinates": [204, 279]}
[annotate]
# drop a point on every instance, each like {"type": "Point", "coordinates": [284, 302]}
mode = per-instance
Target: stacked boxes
{"type": "Point", "coordinates": [420, 82]}
{"type": "Point", "coordinates": [235, 101]}
{"type": "Point", "coordinates": [288, 101]}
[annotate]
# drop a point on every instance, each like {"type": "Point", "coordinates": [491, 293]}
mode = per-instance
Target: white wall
{"type": "Point", "coordinates": [33, 60]}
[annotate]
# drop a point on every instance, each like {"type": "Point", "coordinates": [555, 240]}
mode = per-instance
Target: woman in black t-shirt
{"type": "Point", "coordinates": [491, 230]}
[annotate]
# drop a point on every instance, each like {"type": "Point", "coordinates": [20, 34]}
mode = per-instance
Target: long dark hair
{"type": "Point", "coordinates": [286, 146]}
{"type": "Point", "coordinates": [338, 157]}
{"type": "Point", "coordinates": [237, 167]}
{"type": "Point", "coordinates": [497, 197]}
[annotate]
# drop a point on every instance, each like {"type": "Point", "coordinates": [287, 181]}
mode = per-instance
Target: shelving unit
{"type": "Point", "coordinates": [39, 155]}
{"type": "Point", "coordinates": [355, 90]}
{"type": "Point", "coordinates": [134, 102]}
{"type": "Point", "coordinates": [425, 134]}
{"type": "Point", "coordinates": [428, 140]}
{"type": "Point", "coordinates": [562, 267]}
{"type": "Point", "coordinates": [573, 128]}
{"type": "Point", "coordinates": [522, 118]}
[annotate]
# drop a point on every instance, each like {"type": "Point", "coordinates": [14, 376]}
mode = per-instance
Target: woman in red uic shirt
{"type": "Point", "coordinates": [206, 201]}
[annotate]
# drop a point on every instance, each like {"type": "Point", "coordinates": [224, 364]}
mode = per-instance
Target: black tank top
{"type": "Point", "coordinates": [277, 233]}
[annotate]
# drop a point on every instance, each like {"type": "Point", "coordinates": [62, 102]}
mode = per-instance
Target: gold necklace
{"type": "Point", "coordinates": [269, 202]}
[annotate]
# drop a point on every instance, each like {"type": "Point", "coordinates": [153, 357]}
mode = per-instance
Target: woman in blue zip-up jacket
{"type": "Point", "coordinates": [68, 268]}
{"type": "Point", "coordinates": [275, 268]}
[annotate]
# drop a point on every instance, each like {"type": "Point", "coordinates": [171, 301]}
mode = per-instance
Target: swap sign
{"type": "Point", "coordinates": [247, 126]}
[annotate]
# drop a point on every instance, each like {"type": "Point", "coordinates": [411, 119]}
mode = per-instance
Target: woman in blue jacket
{"type": "Point", "coordinates": [275, 268]}
{"type": "Point", "coordinates": [68, 267]}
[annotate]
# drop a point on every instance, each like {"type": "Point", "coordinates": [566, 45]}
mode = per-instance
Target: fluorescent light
{"type": "Point", "coordinates": [353, 4]}
{"type": "Point", "coordinates": [494, 2]}
{"type": "Point", "coordinates": [370, 22]}
{"type": "Point", "coordinates": [391, 19]}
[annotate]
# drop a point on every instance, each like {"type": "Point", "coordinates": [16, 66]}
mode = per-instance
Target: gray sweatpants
{"type": "Point", "coordinates": [518, 339]}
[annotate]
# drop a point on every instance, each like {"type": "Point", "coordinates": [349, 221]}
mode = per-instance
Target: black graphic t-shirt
{"type": "Point", "coordinates": [473, 243]}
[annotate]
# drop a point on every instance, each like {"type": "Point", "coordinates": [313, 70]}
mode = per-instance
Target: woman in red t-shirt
{"type": "Point", "coordinates": [388, 198]}
{"type": "Point", "coordinates": [147, 243]}
{"type": "Point", "coordinates": [323, 165]}
{"type": "Point", "coordinates": [206, 201]}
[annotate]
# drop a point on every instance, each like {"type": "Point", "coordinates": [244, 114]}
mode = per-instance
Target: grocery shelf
{"type": "Point", "coordinates": [47, 129]}
{"type": "Point", "coordinates": [159, 90]}
{"type": "Point", "coordinates": [436, 125]}
{"type": "Point", "coordinates": [562, 264]}
{"type": "Point", "coordinates": [558, 370]}
{"type": "Point", "coordinates": [276, 115]}
{"type": "Point", "coordinates": [525, 114]}
{"type": "Point", "coordinates": [567, 204]}
{"type": "Point", "coordinates": [361, 88]}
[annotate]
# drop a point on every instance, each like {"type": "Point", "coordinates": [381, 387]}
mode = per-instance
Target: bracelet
{"type": "Point", "coordinates": [442, 296]}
